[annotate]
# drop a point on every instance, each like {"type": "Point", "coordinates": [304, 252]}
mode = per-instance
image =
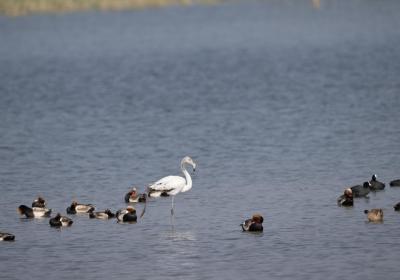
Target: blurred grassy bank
{"type": "Point", "coordinates": [23, 7]}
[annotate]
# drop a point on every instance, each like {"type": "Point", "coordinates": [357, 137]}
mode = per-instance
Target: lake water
{"type": "Point", "coordinates": [281, 104]}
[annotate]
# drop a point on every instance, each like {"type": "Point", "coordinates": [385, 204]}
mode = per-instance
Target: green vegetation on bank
{"type": "Point", "coordinates": [23, 7]}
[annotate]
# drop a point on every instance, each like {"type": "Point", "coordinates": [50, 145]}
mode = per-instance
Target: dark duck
{"type": "Point", "coordinates": [361, 190]}
{"type": "Point", "coordinates": [60, 221]}
{"type": "Point", "coordinates": [4, 236]}
{"type": "Point", "coordinates": [395, 183]}
{"type": "Point", "coordinates": [375, 184]}
{"type": "Point", "coordinates": [254, 224]}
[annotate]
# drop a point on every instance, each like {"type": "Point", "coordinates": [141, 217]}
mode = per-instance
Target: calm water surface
{"type": "Point", "coordinates": [281, 105]}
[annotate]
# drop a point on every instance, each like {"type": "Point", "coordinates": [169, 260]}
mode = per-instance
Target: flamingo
{"type": "Point", "coordinates": [172, 185]}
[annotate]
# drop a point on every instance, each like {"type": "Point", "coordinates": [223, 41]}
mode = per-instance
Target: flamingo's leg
{"type": "Point", "coordinates": [172, 206]}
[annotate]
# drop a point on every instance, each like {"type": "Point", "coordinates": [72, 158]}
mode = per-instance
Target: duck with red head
{"type": "Point", "coordinates": [346, 199]}
{"type": "Point", "coordinates": [254, 224]}
{"type": "Point", "coordinates": [134, 196]}
{"type": "Point", "coordinates": [127, 215]}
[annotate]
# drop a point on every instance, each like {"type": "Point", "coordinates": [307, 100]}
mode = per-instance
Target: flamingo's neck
{"type": "Point", "coordinates": [188, 185]}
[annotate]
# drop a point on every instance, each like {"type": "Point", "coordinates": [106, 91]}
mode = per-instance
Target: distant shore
{"type": "Point", "coordinates": [24, 7]}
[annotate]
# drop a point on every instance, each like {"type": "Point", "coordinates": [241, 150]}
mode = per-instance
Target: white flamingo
{"type": "Point", "coordinates": [172, 185]}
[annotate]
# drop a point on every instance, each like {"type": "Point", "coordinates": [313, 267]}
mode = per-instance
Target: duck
{"type": "Point", "coordinates": [60, 221]}
{"type": "Point", "coordinates": [34, 212]}
{"type": "Point", "coordinates": [127, 215]}
{"type": "Point", "coordinates": [395, 183]}
{"type": "Point", "coordinates": [254, 224]}
{"type": "Point", "coordinates": [375, 184]}
{"type": "Point", "coordinates": [346, 199]}
{"type": "Point", "coordinates": [80, 208]}
{"type": "Point", "coordinates": [134, 196]}
{"type": "Point", "coordinates": [106, 214]}
{"type": "Point", "coordinates": [361, 190]}
{"type": "Point", "coordinates": [4, 236]}
{"type": "Point", "coordinates": [374, 215]}
{"type": "Point", "coordinates": [397, 207]}
{"type": "Point", "coordinates": [39, 202]}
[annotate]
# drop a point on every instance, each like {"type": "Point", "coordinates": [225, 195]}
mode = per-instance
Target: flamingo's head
{"type": "Point", "coordinates": [190, 161]}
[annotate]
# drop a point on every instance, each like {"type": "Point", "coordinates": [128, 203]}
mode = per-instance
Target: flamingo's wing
{"type": "Point", "coordinates": [169, 184]}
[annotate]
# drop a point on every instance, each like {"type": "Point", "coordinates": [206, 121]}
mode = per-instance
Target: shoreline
{"type": "Point", "coordinates": [26, 7]}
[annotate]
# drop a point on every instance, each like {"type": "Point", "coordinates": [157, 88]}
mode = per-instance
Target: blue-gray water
{"type": "Point", "coordinates": [281, 105]}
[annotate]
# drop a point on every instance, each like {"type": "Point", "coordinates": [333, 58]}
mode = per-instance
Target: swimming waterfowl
{"type": "Point", "coordinates": [106, 214]}
{"type": "Point", "coordinates": [375, 184]}
{"type": "Point", "coordinates": [60, 221]}
{"type": "Point", "coordinates": [346, 199]}
{"type": "Point", "coordinates": [374, 215]}
{"type": "Point", "coordinates": [80, 208]}
{"type": "Point", "coordinates": [361, 191]}
{"type": "Point", "coordinates": [134, 196]}
{"type": "Point", "coordinates": [39, 202]}
{"type": "Point", "coordinates": [34, 212]}
{"type": "Point", "coordinates": [4, 236]}
{"type": "Point", "coordinates": [397, 207]}
{"type": "Point", "coordinates": [127, 215]}
{"type": "Point", "coordinates": [253, 224]}
{"type": "Point", "coordinates": [395, 183]}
